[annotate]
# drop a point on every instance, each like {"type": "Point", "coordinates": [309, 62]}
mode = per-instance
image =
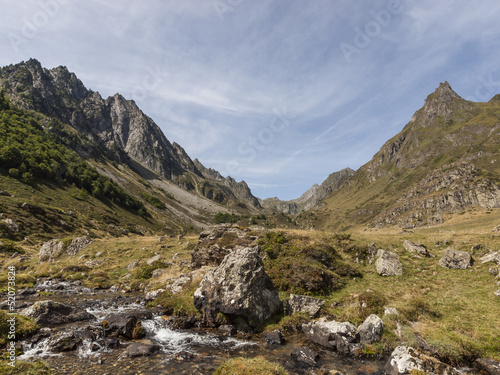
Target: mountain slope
{"type": "Point", "coordinates": [444, 160]}
{"type": "Point", "coordinates": [115, 135]}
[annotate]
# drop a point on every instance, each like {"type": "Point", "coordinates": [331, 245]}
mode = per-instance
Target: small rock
{"type": "Point", "coordinates": [133, 265]}
{"type": "Point", "coordinates": [304, 304]}
{"type": "Point", "coordinates": [227, 329]}
{"type": "Point", "coordinates": [491, 257]}
{"type": "Point", "coordinates": [140, 350]}
{"type": "Point", "coordinates": [305, 356]}
{"type": "Point", "coordinates": [158, 272]}
{"type": "Point", "coordinates": [405, 360]}
{"type": "Point", "coordinates": [455, 259]}
{"type": "Point", "coordinates": [11, 225]}
{"type": "Point", "coordinates": [497, 293]}
{"type": "Point", "coordinates": [156, 258]}
{"type": "Point", "coordinates": [153, 294]}
{"type": "Point", "coordinates": [274, 337]}
{"type": "Point", "coordinates": [65, 343]}
{"type": "Point", "coordinates": [390, 311]}
{"type": "Point", "coordinates": [417, 249]}
{"type": "Point", "coordinates": [5, 193]}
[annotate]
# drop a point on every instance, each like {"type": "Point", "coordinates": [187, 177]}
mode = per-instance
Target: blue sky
{"type": "Point", "coordinates": [278, 93]}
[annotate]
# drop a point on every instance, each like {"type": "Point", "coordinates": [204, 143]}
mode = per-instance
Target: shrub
{"type": "Point", "coordinates": [221, 218]}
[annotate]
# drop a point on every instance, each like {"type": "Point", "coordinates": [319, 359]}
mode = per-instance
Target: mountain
{"type": "Point", "coordinates": [445, 160]}
{"type": "Point", "coordinates": [122, 143]}
{"type": "Point", "coordinates": [311, 198]}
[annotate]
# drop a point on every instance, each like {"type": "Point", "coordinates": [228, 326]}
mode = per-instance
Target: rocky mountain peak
{"type": "Point", "coordinates": [442, 104]}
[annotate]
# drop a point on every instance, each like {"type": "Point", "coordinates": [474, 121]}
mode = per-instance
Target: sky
{"type": "Point", "coordinates": [279, 93]}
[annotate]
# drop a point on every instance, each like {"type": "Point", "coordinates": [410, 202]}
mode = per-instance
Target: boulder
{"type": "Point", "coordinates": [65, 342]}
{"type": "Point", "coordinates": [126, 324]}
{"type": "Point", "coordinates": [5, 193]}
{"type": "Point", "coordinates": [488, 366]}
{"type": "Point", "coordinates": [305, 356]}
{"type": "Point", "coordinates": [51, 250]}
{"type": "Point", "coordinates": [456, 259]}
{"type": "Point", "coordinates": [371, 330]}
{"type": "Point", "coordinates": [208, 256]}
{"type": "Point", "coordinates": [274, 337]}
{"type": "Point", "coordinates": [158, 272]}
{"type": "Point", "coordinates": [497, 293]}
{"type": "Point", "coordinates": [491, 257]}
{"type": "Point", "coordinates": [50, 313]}
{"type": "Point", "coordinates": [178, 285]}
{"type": "Point", "coordinates": [303, 304]}
{"type": "Point", "coordinates": [388, 264]}
{"type": "Point", "coordinates": [404, 360]}
{"type": "Point", "coordinates": [418, 250]}
{"type": "Point", "coordinates": [152, 295]}
{"type": "Point", "coordinates": [140, 350]}
{"type": "Point", "coordinates": [326, 333]}
{"type": "Point", "coordinates": [78, 244]}
{"type": "Point", "coordinates": [227, 329]}
{"type": "Point", "coordinates": [239, 287]}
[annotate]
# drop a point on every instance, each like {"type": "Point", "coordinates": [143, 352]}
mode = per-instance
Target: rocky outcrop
{"type": "Point", "coordinates": [238, 287]}
{"type": "Point", "coordinates": [371, 330]}
{"type": "Point", "coordinates": [303, 304]}
{"type": "Point", "coordinates": [388, 264]}
{"type": "Point", "coordinates": [50, 313]}
{"type": "Point", "coordinates": [404, 360]}
{"type": "Point", "coordinates": [491, 257]}
{"type": "Point", "coordinates": [456, 259]}
{"type": "Point", "coordinates": [53, 249]}
{"type": "Point", "coordinates": [418, 250]}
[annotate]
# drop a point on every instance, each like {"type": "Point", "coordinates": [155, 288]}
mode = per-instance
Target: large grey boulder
{"type": "Point", "coordinates": [418, 250]}
{"type": "Point", "coordinates": [78, 244]}
{"type": "Point", "coordinates": [405, 359]}
{"type": "Point", "coordinates": [303, 304]}
{"type": "Point", "coordinates": [371, 330]}
{"type": "Point", "coordinates": [388, 264]}
{"type": "Point", "coordinates": [238, 287]}
{"type": "Point", "coordinates": [456, 259]}
{"type": "Point", "coordinates": [332, 335]}
{"type": "Point", "coordinates": [50, 313]}
{"type": "Point", "coordinates": [138, 349]}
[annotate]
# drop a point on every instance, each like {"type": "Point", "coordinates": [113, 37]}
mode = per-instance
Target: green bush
{"type": "Point", "coordinates": [221, 218]}
{"type": "Point", "coordinates": [153, 200]}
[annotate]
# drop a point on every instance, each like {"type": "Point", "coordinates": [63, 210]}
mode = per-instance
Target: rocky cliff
{"type": "Point", "coordinates": [117, 125]}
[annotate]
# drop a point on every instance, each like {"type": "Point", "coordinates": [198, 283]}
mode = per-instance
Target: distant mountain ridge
{"type": "Point", "coordinates": [118, 125]}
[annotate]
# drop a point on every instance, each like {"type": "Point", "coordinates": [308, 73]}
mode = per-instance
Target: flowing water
{"type": "Point", "coordinates": [194, 351]}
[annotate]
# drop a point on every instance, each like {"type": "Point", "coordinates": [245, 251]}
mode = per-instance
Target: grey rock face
{"type": "Point", "coordinates": [305, 304]}
{"type": "Point", "coordinates": [78, 244]}
{"type": "Point", "coordinates": [456, 259]}
{"type": "Point", "coordinates": [388, 264]}
{"type": "Point", "coordinates": [417, 249]}
{"type": "Point", "coordinates": [405, 359]}
{"type": "Point", "coordinates": [371, 330]}
{"type": "Point", "coordinates": [50, 313]}
{"type": "Point", "coordinates": [239, 287]}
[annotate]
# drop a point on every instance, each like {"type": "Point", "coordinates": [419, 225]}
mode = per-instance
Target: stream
{"type": "Point", "coordinates": [182, 351]}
